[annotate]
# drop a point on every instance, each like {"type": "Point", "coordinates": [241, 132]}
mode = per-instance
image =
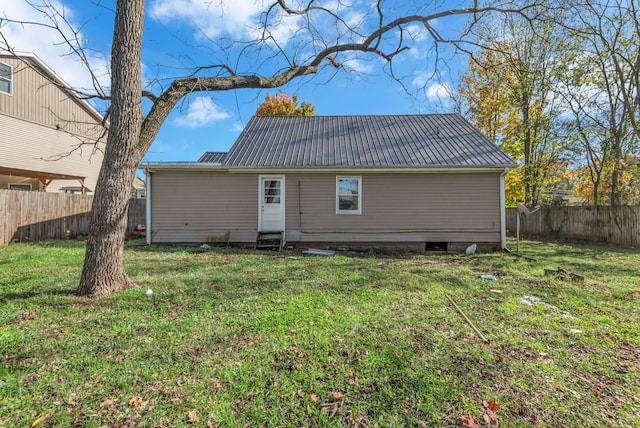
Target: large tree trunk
{"type": "Point", "coordinates": [103, 271]}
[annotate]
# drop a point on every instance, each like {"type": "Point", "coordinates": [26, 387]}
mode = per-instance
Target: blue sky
{"type": "Point", "coordinates": [179, 35]}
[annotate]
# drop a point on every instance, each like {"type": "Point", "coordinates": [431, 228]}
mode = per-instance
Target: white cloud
{"type": "Point", "coordinates": [357, 65]}
{"type": "Point", "coordinates": [421, 79]}
{"type": "Point", "coordinates": [417, 32]}
{"type": "Point", "coordinates": [201, 111]}
{"type": "Point", "coordinates": [236, 18]}
{"type": "Point", "coordinates": [48, 45]}
{"type": "Point", "coordinates": [439, 92]}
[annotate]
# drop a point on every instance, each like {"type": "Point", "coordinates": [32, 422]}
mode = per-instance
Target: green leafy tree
{"type": "Point", "coordinates": [507, 90]}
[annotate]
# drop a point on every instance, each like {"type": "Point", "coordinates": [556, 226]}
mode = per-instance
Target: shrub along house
{"type": "Point", "coordinates": [418, 181]}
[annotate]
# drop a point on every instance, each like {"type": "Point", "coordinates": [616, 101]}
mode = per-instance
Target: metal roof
{"type": "Point", "coordinates": [434, 140]}
{"type": "Point", "coordinates": [212, 157]}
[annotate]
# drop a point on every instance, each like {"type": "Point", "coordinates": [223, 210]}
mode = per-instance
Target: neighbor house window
{"type": "Point", "coordinates": [26, 187]}
{"type": "Point", "coordinates": [348, 195]}
{"type": "Point", "coordinates": [6, 78]}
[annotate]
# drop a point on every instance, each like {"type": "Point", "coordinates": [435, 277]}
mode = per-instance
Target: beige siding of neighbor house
{"type": "Point", "coordinates": [6, 181]}
{"type": "Point", "coordinates": [409, 207]}
{"type": "Point", "coordinates": [35, 99]}
{"type": "Point", "coordinates": [29, 146]}
{"type": "Point", "coordinates": [192, 207]}
{"type": "Point", "coordinates": [41, 122]}
{"type": "Point", "coordinates": [396, 208]}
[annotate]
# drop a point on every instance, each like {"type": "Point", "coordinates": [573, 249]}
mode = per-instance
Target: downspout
{"type": "Point", "coordinates": [503, 212]}
{"type": "Point", "coordinates": [148, 206]}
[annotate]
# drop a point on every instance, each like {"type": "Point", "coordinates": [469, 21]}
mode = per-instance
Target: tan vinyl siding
{"type": "Point", "coordinates": [190, 207]}
{"type": "Point", "coordinates": [35, 99]}
{"type": "Point", "coordinates": [396, 208]}
{"type": "Point", "coordinates": [29, 146]}
{"type": "Point", "coordinates": [6, 180]}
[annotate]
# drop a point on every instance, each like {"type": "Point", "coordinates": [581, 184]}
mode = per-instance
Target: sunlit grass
{"type": "Point", "coordinates": [239, 338]}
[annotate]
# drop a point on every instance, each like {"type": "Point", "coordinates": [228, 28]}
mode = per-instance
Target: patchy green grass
{"type": "Point", "coordinates": [232, 338]}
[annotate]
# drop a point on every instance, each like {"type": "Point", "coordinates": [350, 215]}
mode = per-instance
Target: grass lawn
{"type": "Point", "coordinates": [234, 338]}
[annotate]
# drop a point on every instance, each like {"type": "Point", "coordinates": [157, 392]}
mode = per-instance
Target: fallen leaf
{"type": "Point", "coordinates": [490, 418]}
{"type": "Point", "coordinates": [212, 424]}
{"type": "Point", "coordinates": [468, 421]}
{"type": "Point", "coordinates": [334, 410]}
{"type": "Point", "coordinates": [313, 398]}
{"type": "Point", "coordinates": [135, 401]}
{"type": "Point", "coordinates": [489, 412]}
{"type": "Point", "coordinates": [491, 405]}
{"type": "Point", "coordinates": [193, 416]}
{"type": "Point", "coordinates": [108, 402]}
{"type": "Point", "coordinates": [336, 395]}
{"type": "Point", "coordinates": [461, 399]}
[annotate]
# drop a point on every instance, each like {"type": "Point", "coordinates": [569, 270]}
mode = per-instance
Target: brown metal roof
{"type": "Point", "coordinates": [39, 175]}
{"type": "Point", "coordinates": [444, 140]}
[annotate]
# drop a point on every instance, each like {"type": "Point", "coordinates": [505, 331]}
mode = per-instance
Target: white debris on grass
{"type": "Point", "coordinates": [149, 292]}
{"type": "Point", "coordinates": [531, 300]}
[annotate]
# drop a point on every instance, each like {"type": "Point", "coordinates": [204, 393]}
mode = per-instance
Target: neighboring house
{"type": "Point", "coordinates": [50, 140]}
{"type": "Point", "coordinates": [420, 181]}
{"type": "Point", "coordinates": [139, 188]}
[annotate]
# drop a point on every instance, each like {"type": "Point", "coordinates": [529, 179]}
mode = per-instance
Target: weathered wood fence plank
{"type": "Point", "coordinates": [616, 225]}
{"type": "Point", "coordinates": [33, 216]}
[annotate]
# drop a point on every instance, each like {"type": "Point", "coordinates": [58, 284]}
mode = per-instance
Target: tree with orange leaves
{"type": "Point", "coordinates": [284, 105]}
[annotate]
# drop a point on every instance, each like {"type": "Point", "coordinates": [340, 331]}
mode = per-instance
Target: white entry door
{"type": "Point", "coordinates": [271, 214]}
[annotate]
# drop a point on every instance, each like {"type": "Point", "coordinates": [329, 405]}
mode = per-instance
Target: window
{"type": "Point", "coordinates": [6, 78]}
{"type": "Point", "coordinates": [26, 187]}
{"type": "Point", "coordinates": [271, 191]}
{"type": "Point", "coordinates": [348, 195]}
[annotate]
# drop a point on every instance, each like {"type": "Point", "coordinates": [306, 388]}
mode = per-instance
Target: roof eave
{"type": "Point", "coordinates": [180, 165]}
{"type": "Point", "coordinates": [374, 169]}
{"type": "Point", "coordinates": [203, 166]}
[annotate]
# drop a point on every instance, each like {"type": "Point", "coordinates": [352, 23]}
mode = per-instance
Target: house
{"type": "Point", "coordinates": [419, 181]}
{"type": "Point", "coordinates": [51, 140]}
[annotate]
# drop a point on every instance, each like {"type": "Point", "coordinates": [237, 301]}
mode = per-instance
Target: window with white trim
{"type": "Point", "coordinates": [6, 78]}
{"type": "Point", "coordinates": [348, 195]}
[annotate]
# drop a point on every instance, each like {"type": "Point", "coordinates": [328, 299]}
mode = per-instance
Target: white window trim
{"type": "Point", "coordinates": [351, 177]}
{"type": "Point", "coordinates": [10, 80]}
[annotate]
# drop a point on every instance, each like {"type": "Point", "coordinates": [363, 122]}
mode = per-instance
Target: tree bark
{"type": "Point", "coordinates": [103, 271]}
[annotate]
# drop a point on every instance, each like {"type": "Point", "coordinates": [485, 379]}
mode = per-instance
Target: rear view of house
{"type": "Point", "coordinates": [419, 181]}
{"type": "Point", "coordinates": [51, 140]}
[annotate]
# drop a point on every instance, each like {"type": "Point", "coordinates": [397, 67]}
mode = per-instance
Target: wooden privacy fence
{"type": "Point", "coordinates": [616, 225]}
{"type": "Point", "coordinates": [33, 216]}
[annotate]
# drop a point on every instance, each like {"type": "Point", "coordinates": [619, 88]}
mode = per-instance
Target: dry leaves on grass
{"type": "Point", "coordinates": [336, 395]}
{"type": "Point", "coordinates": [489, 415]}
{"type": "Point", "coordinates": [136, 401]}
{"type": "Point", "coordinates": [489, 409]}
{"type": "Point", "coordinates": [193, 416]}
{"type": "Point", "coordinates": [468, 421]}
